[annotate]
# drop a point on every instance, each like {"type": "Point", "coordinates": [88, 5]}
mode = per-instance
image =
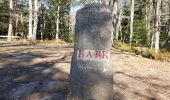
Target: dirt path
{"type": "Point", "coordinates": [40, 72]}
{"type": "Point", "coordinates": [137, 78]}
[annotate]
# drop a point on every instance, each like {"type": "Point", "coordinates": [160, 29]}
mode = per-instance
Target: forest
{"type": "Point", "coordinates": [137, 23]}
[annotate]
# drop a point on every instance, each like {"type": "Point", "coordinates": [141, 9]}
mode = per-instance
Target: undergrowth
{"type": "Point", "coordinates": [59, 41]}
{"type": "Point", "coordinates": [162, 55]}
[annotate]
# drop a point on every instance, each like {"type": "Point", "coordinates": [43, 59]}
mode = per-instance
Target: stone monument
{"type": "Point", "coordinates": [91, 76]}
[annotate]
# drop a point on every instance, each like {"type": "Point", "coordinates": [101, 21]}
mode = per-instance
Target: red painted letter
{"type": "Point", "coordinates": [105, 54]}
{"type": "Point", "coordinates": [80, 53]}
{"type": "Point", "coordinates": [98, 54]}
{"type": "Point", "coordinates": [89, 54]}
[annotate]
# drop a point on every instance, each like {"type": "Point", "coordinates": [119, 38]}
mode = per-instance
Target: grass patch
{"type": "Point", "coordinates": [162, 55]}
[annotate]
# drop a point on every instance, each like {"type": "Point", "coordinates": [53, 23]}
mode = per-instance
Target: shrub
{"type": "Point", "coordinates": [162, 55]}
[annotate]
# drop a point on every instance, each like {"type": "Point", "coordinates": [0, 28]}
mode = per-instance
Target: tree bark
{"type": "Point", "coordinates": [156, 32]}
{"type": "Point", "coordinates": [30, 20]}
{"type": "Point", "coordinates": [10, 28]}
{"type": "Point", "coordinates": [42, 19]}
{"type": "Point", "coordinates": [131, 21]}
{"type": "Point", "coordinates": [114, 14]}
{"type": "Point", "coordinates": [168, 36]}
{"type": "Point", "coordinates": [118, 25]}
{"type": "Point", "coordinates": [57, 22]}
{"type": "Point", "coordinates": [149, 9]}
{"type": "Point", "coordinates": [16, 23]}
{"type": "Point", "coordinates": [21, 18]}
{"type": "Point", "coordinates": [35, 19]}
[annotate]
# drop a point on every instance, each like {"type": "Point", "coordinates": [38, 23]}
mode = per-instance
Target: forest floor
{"type": "Point", "coordinates": [41, 71]}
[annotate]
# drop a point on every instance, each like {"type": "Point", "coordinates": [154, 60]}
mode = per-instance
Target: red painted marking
{"type": "Point", "coordinates": [89, 54]}
{"type": "Point", "coordinates": [81, 53]}
{"type": "Point", "coordinates": [98, 54]}
{"type": "Point", "coordinates": [93, 55]}
{"type": "Point", "coordinates": [104, 55]}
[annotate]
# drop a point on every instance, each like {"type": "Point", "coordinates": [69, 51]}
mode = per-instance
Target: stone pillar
{"type": "Point", "coordinates": [91, 75]}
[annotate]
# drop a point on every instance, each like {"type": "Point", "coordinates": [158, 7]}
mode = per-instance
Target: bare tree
{"type": "Point", "coordinates": [131, 21]}
{"type": "Point", "coordinates": [156, 30]}
{"type": "Point", "coordinates": [42, 18]}
{"type": "Point", "coordinates": [168, 35]}
{"type": "Point", "coordinates": [16, 22]}
{"type": "Point", "coordinates": [148, 18]}
{"type": "Point", "coordinates": [10, 28]}
{"type": "Point", "coordinates": [35, 19]}
{"type": "Point", "coordinates": [114, 8]}
{"type": "Point", "coordinates": [57, 21]}
{"type": "Point", "coordinates": [30, 20]}
{"type": "Point", "coordinates": [119, 19]}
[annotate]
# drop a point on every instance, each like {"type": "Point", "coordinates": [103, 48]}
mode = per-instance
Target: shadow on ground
{"type": "Point", "coordinates": [129, 87]}
{"type": "Point", "coordinates": [33, 73]}
{"type": "Point", "coordinates": [40, 72]}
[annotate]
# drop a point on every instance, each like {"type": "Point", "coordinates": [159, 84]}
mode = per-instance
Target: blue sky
{"type": "Point", "coordinates": [74, 9]}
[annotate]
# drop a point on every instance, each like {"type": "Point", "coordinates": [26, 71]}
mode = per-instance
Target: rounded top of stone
{"type": "Point", "coordinates": [95, 7]}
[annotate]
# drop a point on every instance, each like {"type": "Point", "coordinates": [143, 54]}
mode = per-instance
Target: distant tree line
{"type": "Point", "coordinates": [144, 23]}
{"type": "Point", "coordinates": [35, 19]}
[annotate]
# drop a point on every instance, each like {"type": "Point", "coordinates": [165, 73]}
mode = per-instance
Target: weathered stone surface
{"type": "Point", "coordinates": [91, 73]}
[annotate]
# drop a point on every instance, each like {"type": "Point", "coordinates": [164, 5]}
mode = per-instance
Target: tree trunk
{"type": "Point", "coordinates": [131, 21]}
{"type": "Point", "coordinates": [35, 19]}
{"type": "Point", "coordinates": [149, 9]}
{"type": "Point", "coordinates": [57, 21]}
{"type": "Point", "coordinates": [16, 23]}
{"type": "Point", "coordinates": [21, 18]}
{"type": "Point", "coordinates": [168, 35]}
{"type": "Point", "coordinates": [30, 20]}
{"type": "Point", "coordinates": [168, 38]}
{"type": "Point", "coordinates": [121, 34]}
{"type": "Point", "coordinates": [114, 14]}
{"type": "Point", "coordinates": [42, 19]}
{"type": "Point", "coordinates": [10, 28]}
{"type": "Point", "coordinates": [118, 25]}
{"type": "Point", "coordinates": [156, 32]}
{"type": "Point", "coordinates": [169, 28]}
